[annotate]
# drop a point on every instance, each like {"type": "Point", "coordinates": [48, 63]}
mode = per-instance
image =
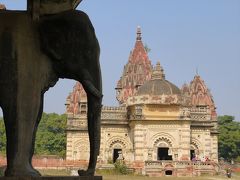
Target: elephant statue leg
{"type": "Point", "coordinates": [20, 101]}
{"type": "Point", "coordinates": [22, 109]}
{"type": "Point", "coordinates": [94, 131]}
{"type": "Point", "coordinates": [92, 84]}
{"type": "Point", "coordinates": [21, 117]}
{"type": "Point", "coordinates": [39, 116]}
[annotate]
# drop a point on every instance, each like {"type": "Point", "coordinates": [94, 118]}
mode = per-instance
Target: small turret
{"type": "Point", "coordinates": [158, 72]}
{"type": "Point", "coordinates": [139, 34]}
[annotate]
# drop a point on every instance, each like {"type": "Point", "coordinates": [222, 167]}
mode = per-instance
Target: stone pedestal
{"type": "Point", "coordinates": [54, 178]}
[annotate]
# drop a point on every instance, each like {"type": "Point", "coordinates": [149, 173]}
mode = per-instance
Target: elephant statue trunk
{"type": "Point", "coordinates": [33, 56]}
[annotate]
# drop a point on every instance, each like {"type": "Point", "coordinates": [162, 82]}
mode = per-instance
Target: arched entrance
{"type": "Point", "coordinates": [168, 172]}
{"type": "Point", "coordinates": [164, 149]}
{"type": "Point", "coordinates": [117, 153]}
{"type": "Point", "coordinates": [117, 149]}
{"type": "Point", "coordinates": [193, 151]}
{"type": "Point", "coordinates": [163, 153]}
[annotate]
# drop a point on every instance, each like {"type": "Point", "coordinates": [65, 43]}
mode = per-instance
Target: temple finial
{"type": "Point", "coordinates": [158, 72]}
{"type": "Point", "coordinates": [139, 34]}
{"type": "Point", "coordinates": [197, 71]}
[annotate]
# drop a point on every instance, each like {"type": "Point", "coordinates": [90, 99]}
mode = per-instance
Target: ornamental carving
{"type": "Point", "coordinates": [162, 142]}
{"type": "Point", "coordinates": [115, 116]}
{"type": "Point", "coordinates": [199, 117]}
{"type": "Point", "coordinates": [150, 99]}
{"type": "Point", "coordinates": [118, 141]}
{"type": "Point", "coordinates": [77, 123]}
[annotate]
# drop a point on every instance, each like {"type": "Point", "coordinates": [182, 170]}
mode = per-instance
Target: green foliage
{"type": "Point", "coordinates": [237, 159]}
{"type": "Point", "coordinates": [2, 137]}
{"type": "Point", "coordinates": [50, 138]}
{"type": "Point", "coordinates": [120, 167]}
{"type": "Point", "coordinates": [147, 49]}
{"type": "Point", "coordinates": [2, 171]}
{"type": "Point", "coordinates": [229, 138]}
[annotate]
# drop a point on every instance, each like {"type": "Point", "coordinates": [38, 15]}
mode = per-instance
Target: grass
{"type": "Point", "coordinates": [127, 177]}
{"type": "Point", "coordinates": [54, 172]}
{"type": "Point", "coordinates": [108, 176]}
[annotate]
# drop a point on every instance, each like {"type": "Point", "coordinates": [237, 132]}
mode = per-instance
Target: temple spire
{"type": "Point", "coordinates": [137, 70]}
{"type": "Point", "coordinates": [158, 72]}
{"type": "Point", "coordinates": [139, 34]}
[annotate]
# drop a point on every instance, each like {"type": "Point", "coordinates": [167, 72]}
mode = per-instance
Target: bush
{"type": "Point", "coordinates": [2, 169]}
{"type": "Point", "coordinates": [238, 159]}
{"type": "Point", "coordinates": [120, 167]}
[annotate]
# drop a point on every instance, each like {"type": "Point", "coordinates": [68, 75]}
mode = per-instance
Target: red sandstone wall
{"type": "Point", "coordinates": [50, 162]}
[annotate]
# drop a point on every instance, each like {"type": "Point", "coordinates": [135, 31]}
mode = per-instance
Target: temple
{"type": "Point", "coordinates": [158, 129]}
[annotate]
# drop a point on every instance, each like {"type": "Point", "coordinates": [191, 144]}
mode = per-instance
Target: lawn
{"type": "Point", "coordinates": [121, 177]}
{"type": "Point", "coordinates": [52, 172]}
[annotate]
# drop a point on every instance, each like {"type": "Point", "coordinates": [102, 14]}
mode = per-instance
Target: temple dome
{"type": "Point", "coordinates": [158, 85]}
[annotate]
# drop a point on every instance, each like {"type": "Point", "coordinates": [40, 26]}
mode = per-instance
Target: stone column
{"type": "Point", "coordinates": [214, 144]}
{"type": "Point", "coordinates": [138, 144]}
{"type": "Point", "coordinates": [69, 148]}
{"type": "Point", "coordinates": [185, 143]}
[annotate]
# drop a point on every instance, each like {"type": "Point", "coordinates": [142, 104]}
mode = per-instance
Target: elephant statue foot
{"type": "Point", "coordinates": [19, 171]}
{"type": "Point", "coordinates": [89, 172]}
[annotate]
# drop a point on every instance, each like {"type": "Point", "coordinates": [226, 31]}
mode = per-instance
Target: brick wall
{"type": "Point", "coordinates": [53, 162]}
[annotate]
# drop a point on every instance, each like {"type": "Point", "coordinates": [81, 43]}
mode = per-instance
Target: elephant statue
{"type": "Point", "coordinates": [34, 54]}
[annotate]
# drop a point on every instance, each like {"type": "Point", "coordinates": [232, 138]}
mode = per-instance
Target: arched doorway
{"type": "Point", "coordinates": [164, 149]}
{"type": "Point", "coordinates": [192, 154]}
{"type": "Point", "coordinates": [117, 149]}
{"type": "Point", "coordinates": [117, 154]}
{"type": "Point", "coordinates": [193, 151]}
{"type": "Point", "coordinates": [168, 172]}
{"type": "Point", "coordinates": [163, 153]}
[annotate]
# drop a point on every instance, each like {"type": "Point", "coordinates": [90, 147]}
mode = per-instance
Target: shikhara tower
{"type": "Point", "coordinates": [157, 129]}
{"type": "Point", "coordinates": [136, 71]}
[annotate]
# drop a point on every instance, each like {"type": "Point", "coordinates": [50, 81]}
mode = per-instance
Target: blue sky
{"type": "Point", "coordinates": [183, 35]}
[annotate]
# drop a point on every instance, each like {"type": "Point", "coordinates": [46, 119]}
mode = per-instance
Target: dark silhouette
{"type": "Point", "coordinates": [34, 53]}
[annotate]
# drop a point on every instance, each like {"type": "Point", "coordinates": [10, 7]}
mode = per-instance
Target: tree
{"type": "Point", "coordinates": [147, 49]}
{"type": "Point", "coordinates": [2, 137]}
{"type": "Point", "coordinates": [50, 138]}
{"type": "Point", "coordinates": [229, 137]}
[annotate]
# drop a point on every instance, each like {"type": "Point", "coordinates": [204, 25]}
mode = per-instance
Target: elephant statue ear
{"type": "Point", "coordinates": [45, 7]}
{"type": "Point", "coordinates": [62, 35]}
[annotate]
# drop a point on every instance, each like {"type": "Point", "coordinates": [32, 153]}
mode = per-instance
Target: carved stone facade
{"type": "Point", "coordinates": [2, 7]}
{"type": "Point", "coordinates": [156, 126]}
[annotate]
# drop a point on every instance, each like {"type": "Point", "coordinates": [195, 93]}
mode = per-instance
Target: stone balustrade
{"type": "Point", "coordinates": [178, 163]}
{"type": "Point", "coordinates": [113, 108]}
{"type": "Point", "coordinates": [178, 166]}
